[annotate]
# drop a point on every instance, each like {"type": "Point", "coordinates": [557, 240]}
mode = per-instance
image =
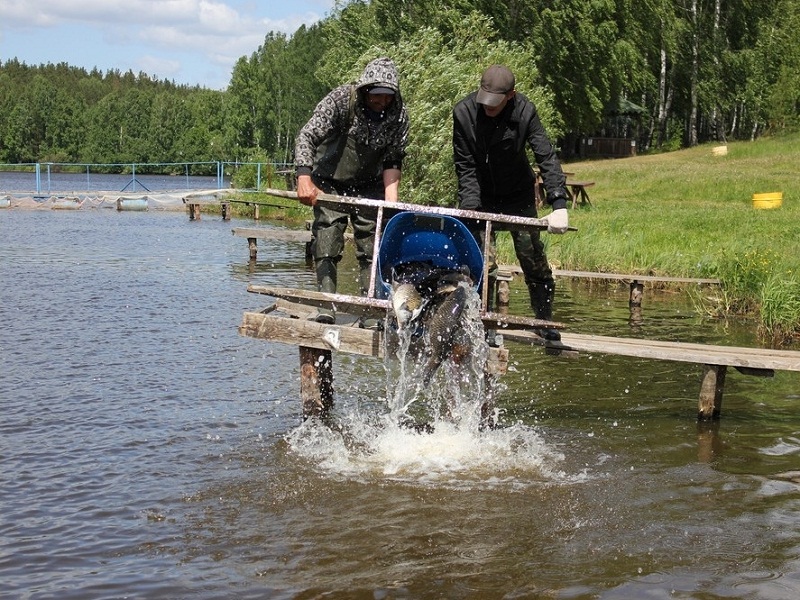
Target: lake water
{"type": "Point", "coordinates": [55, 182]}
{"type": "Point", "coordinates": [149, 451]}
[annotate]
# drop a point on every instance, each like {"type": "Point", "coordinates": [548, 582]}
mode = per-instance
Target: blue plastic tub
{"type": "Point", "coordinates": [440, 241]}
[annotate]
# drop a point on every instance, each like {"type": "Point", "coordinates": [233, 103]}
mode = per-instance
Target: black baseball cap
{"type": "Point", "coordinates": [496, 82]}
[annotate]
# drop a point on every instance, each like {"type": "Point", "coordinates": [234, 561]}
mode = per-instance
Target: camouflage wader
{"type": "Point", "coordinates": [328, 231]}
{"type": "Point", "coordinates": [529, 249]}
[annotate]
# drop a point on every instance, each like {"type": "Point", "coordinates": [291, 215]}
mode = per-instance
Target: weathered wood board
{"type": "Point", "coordinates": [269, 324]}
{"type": "Point", "coordinates": [273, 233]}
{"type": "Point", "coordinates": [749, 359]}
{"type": "Point", "coordinates": [369, 207]}
{"type": "Point", "coordinates": [377, 308]}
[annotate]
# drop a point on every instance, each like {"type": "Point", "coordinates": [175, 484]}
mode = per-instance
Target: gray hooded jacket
{"type": "Point", "coordinates": [341, 143]}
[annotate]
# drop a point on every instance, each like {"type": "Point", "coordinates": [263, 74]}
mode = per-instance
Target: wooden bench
{"type": "Point", "coordinates": [578, 191]}
{"type": "Point", "coordinates": [506, 272]}
{"type": "Point", "coordinates": [285, 235]}
{"type": "Point", "coordinates": [196, 202]}
{"type": "Point", "coordinates": [257, 206]}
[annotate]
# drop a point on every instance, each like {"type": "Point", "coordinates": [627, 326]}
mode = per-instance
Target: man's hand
{"type": "Point", "coordinates": [306, 190]}
{"type": "Point", "coordinates": [557, 221]}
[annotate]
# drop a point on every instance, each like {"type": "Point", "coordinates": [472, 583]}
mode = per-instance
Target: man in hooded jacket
{"type": "Point", "coordinates": [353, 145]}
{"type": "Point", "coordinates": [492, 127]}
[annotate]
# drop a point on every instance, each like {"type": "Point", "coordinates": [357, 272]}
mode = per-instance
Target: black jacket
{"type": "Point", "coordinates": [494, 173]}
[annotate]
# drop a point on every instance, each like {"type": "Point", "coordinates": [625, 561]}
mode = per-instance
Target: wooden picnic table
{"type": "Point", "coordinates": [577, 190]}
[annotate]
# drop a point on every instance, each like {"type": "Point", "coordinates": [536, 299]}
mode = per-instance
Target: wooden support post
{"type": "Point", "coordinates": [710, 404]}
{"type": "Point", "coordinates": [503, 293]}
{"type": "Point", "coordinates": [316, 381]}
{"type": "Point", "coordinates": [252, 244]}
{"type": "Point", "coordinates": [194, 212]}
{"type": "Point", "coordinates": [255, 211]}
{"type": "Point", "coordinates": [635, 303]}
{"type": "Point", "coordinates": [310, 244]}
{"type": "Point", "coordinates": [637, 291]}
{"type": "Point", "coordinates": [226, 211]}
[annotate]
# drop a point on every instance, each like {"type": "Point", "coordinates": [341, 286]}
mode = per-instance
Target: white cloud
{"type": "Point", "coordinates": [191, 41]}
{"type": "Point", "coordinates": [164, 68]}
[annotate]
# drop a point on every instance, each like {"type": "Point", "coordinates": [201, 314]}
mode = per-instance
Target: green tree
{"type": "Point", "coordinates": [436, 71]}
{"type": "Point", "coordinates": [777, 56]}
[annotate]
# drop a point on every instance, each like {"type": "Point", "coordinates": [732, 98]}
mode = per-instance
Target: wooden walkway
{"type": "Point", "coordinates": [253, 234]}
{"type": "Point", "coordinates": [286, 321]}
{"type": "Point", "coordinates": [505, 274]}
{"type": "Point", "coordinates": [759, 362]}
{"type": "Point", "coordinates": [293, 327]}
{"type": "Point", "coordinates": [196, 201]}
{"type": "Point", "coordinates": [220, 198]}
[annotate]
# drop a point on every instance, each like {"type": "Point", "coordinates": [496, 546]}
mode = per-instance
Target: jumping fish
{"type": "Point", "coordinates": [407, 303]}
{"type": "Point", "coordinates": [441, 328]}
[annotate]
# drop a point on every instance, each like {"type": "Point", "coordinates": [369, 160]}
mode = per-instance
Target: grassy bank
{"type": "Point", "coordinates": [690, 213]}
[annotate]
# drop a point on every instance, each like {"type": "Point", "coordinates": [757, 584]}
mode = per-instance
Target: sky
{"type": "Point", "coordinates": [191, 42]}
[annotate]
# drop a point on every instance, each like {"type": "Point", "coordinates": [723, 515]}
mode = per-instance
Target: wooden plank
{"type": "Point", "coordinates": [580, 183]}
{"type": "Point", "coordinates": [208, 196]}
{"type": "Point", "coordinates": [202, 201]}
{"type": "Point", "coordinates": [262, 204]}
{"type": "Point", "coordinates": [633, 277]}
{"type": "Point", "coordinates": [625, 277]}
{"type": "Point", "coordinates": [734, 356]}
{"type": "Point", "coordinates": [377, 308]}
{"type": "Point", "coordinates": [369, 207]}
{"type": "Point", "coordinates": [354, 305]}
{"type": "Point", "coordinates": [310, 334]}
{"type": "Point", "coordinates": [263, 233]}
{"type": "Point", "coordinates": [340, 338]}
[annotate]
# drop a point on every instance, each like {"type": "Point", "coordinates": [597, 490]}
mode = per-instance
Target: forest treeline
{"type": "Point", "coordinates": [667, 73]}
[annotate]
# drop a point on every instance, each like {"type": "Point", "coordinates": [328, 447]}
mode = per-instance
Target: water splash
{"type": "Point", "coordinates": [449, 456]}
{"type": "Point", "coordinates": [431, 434]}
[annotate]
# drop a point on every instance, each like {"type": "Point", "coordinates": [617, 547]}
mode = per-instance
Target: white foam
{"type": "Point", "coordinates": [449, 456]}
{"type": "Point", "coordinates": [449, 448]}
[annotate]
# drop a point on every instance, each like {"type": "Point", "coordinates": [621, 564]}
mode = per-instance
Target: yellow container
{"type": "Point", "coordinates": [719, 151]}
{"type": "Point", "coordinates": [770, 200]}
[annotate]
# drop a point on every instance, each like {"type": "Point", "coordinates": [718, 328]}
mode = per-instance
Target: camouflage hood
{"type": "Point", "coordinates": [379, 72]}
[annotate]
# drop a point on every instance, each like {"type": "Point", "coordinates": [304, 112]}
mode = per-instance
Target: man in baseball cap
{"type": "Point", "coordinates": [497, 81]}
{"type": "Point", "coordinates": [492, 128]}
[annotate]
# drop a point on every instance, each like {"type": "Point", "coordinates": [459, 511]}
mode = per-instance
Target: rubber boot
{"type": "Point", "coordinates": [326, 282]}
{"type": "Point", "coordinates": [542, 294]}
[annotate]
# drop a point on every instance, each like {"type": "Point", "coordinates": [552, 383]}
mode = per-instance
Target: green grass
{"type": "Point", "coordinates": [689, 213]}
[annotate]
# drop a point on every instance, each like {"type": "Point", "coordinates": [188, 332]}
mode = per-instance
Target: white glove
{"type": "Point", "coordinates": [557, 221]}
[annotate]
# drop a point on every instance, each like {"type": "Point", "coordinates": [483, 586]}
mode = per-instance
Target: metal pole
{"type": "Point", "coordinates": [133, 175]}
{"type": "Point", "coordinates": [38, 171]}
